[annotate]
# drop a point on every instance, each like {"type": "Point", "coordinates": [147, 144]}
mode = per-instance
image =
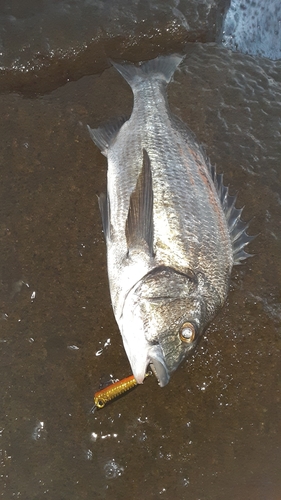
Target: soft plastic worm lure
{"type": "Point", "coordinates": [114, 390]}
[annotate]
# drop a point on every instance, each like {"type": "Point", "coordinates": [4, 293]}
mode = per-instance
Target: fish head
{"type": "Point", "coordinates": [163, 318]}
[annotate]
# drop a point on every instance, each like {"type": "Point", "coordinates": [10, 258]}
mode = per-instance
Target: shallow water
{"type": "Point", "coordinates": [253, 27]}
{"type": "Point", "coordinates": [214, 432]}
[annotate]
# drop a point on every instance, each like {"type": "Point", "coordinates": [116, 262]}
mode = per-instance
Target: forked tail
{"type": "Point", "coordinates": [161, 68]}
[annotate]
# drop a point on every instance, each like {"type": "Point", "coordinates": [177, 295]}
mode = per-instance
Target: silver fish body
{"type": "Point", "coordinates": [172, 231]}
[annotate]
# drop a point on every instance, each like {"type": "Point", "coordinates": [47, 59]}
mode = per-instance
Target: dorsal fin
{"type": "Point", "coordinates": [104, 135]}
{"type": "Point", "coordinates": [237, 228]}
{"type": "Point", "coordinates": [139, 224]}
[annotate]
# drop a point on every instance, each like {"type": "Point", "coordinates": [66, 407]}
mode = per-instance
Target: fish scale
{"type": "Point", "coordinates": [172, 231]}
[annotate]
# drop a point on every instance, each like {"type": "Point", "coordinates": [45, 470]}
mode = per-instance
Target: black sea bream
{"type": "Point", "coordinates": [172, 231]}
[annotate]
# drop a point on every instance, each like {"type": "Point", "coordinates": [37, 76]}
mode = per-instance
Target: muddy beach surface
{"type": "Point", "coordinates": [214, 431]}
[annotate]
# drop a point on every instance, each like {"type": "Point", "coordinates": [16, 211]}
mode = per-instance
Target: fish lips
{"type": "Point", "coordinates": [146, 355]}
{"type": "Point", "coordinates": [158, 365]}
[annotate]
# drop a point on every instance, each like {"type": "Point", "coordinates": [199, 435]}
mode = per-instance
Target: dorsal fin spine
{"type": "Point", "coordinates": [236, 227]}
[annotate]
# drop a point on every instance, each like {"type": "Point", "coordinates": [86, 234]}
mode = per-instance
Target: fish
{"type": "Point", "coordinates": [172, 231]}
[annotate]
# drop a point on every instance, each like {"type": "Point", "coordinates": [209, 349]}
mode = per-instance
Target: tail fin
{"type": "Point", "coordinates": [162, 67]}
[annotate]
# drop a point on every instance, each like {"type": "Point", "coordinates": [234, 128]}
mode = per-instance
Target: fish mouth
{"type": "Point", "coordinates": [158, 365]}
{"type": "Point", "coordinates": [140, 354]}
{"type": "Point", "coordinates": [160, 372]}
{"type": "Point", "coordinates": [154, 358]}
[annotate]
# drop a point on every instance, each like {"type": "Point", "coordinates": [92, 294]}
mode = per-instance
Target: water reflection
{"type": "Point", "coordinates": [112, 469]}
{"type": "Point", "coordinates": [39, 431]}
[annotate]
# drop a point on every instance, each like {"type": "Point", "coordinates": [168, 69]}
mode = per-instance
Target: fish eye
{"type": "Point", "coordinates": [187, 333]}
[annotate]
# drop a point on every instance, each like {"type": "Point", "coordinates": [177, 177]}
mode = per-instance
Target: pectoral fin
{"type": "Point", "coordinates": [104, 210]}
{"type": "Point", "coordinates": [139, 224]}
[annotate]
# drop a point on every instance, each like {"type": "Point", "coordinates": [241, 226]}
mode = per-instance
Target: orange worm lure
{"type": "Point", "coordinates": [114, 390]}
